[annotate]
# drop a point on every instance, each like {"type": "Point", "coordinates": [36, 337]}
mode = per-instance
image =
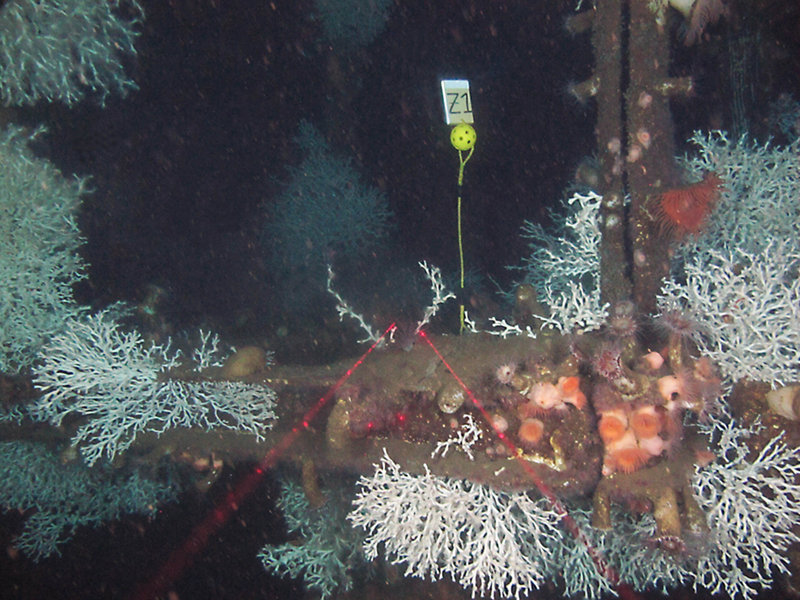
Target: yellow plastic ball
{"type": "Point", "coordinates": [463, 136]}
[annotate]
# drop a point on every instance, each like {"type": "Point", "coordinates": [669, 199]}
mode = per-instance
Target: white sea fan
{"type": "Point", "coordinates": [752, 508]}
{"type": "Point", "coordinates": [739, 279]}
{"type": "Point", "coordinates": [39, 241]}
{"type": "Point", "coordinates": [58, 498]}
{"type": "Point", "coordinates": [565, 268]}
{"type": "Point", "coordinates": [349, 24]}
{"type": "Point", "coordinates": [122, 384]}
{"type": "Point", "coordinates": [493, 543]}
{"type": "Point", "coordinates": [330, 550]}
{"type": "Point", "coordinates": [58, 50]}
{"type": "Point", "coordinates": [326, 207]}
{"type": "Point", "coordinates": [760, 188]}
{"type": "Point", "coordinates": [627, 549]}
{"type": "Point", "coordinates": [747, 309]}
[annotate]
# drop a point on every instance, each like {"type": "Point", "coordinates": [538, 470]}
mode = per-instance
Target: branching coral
{"type": "Point", "coordinates": [488, 541]}
{"type": "Point", "coordinates": [747, 308]}
{"type": "Point", "coordinates": [328, 551]}
{"type": "Point", "coordinates": [57, 50]}
{"type": "Point", "coordinates": [325, 210]}
{"type": "Point", "coordinates": [752, 507]}
{"type": "Point", "coordinates": [39, 241]}
{"type": "Point", "coordinates": [66, 497]}
{"type": "Point", "coordinates": [738, 280]}
{"type": "Point", "coordinates": [565, 268]}
{"type": "Point", "coordinates": [122, 386]}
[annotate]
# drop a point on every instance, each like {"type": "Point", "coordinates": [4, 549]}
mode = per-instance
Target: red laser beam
{"type": "Point", "coordinates": [603, 568]}
{"type": "Point", "coordinates": [184, 555]}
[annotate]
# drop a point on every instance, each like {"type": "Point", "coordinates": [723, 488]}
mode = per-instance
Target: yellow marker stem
{"type": "Point", "coordinates": [463, 161]}
{"type": "Point", "coordinates": [461, 261]}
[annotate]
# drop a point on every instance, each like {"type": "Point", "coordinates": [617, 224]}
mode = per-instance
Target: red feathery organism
{"type": "Point", "coordinates": [685, 210]}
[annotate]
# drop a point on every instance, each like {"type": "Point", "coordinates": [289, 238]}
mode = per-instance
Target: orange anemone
{"type": "Point", "coordinates": [611, 427]}
{"type": "Point", "coordinates": [628, 460]}
{"type": "Point", "coordinates": [530, 432]}
{"type": "Point", "coordinates": [646, 422]}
